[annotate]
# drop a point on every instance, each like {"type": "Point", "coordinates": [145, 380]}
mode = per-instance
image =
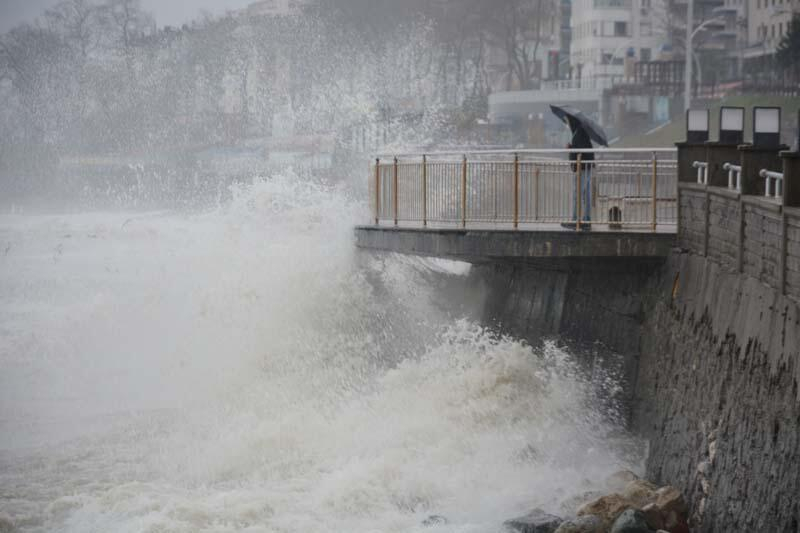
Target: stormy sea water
{"type": "Point", "coordinates": [244, 368]}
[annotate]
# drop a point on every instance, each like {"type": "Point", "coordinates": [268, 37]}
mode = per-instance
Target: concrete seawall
{"type": "Point", "coordinates": [710, 359]}
{"type": "Point", "coordinates": [717, 395]}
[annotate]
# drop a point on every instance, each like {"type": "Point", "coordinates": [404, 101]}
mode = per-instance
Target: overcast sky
{"type": "Point", "coordinates": [167, 12]}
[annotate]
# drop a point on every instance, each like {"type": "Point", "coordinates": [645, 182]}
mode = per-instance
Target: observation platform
{"type": "Point", "coordinates": [513, 205]}
{"type": "Point", "coordinates": [475, 245]}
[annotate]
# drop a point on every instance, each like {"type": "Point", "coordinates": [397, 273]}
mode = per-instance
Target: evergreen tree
{"type": "Point", "coordinates": [788, 53]}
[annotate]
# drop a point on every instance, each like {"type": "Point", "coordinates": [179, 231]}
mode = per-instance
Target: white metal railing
{"type": "Point", "coordinates": [777, 178]}
{"type": "Point", "coordinates": [702, 172]}
{"type": "Point", "coordinates": [625, 187]}
{"type": "Point", "coordinates": [734, 176]}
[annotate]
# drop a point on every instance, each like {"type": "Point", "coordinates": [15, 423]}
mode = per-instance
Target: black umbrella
{"type": "Point", "coordinates": [576, 119]}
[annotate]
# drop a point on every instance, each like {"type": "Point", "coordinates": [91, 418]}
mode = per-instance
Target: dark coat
{"type": "Point", "coordinates": [581, 140]}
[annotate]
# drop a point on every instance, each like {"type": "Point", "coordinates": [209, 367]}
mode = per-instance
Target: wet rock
{"type": "Point", "coordinates": [608, 508]}
{"type": "Point", "coordinates": [434, 520]}
{"type": "Point", "coordinates": [653, 516]}
{"type": "Point", "coordinates": [639, 493]}
{"type": "Point", "coordinates": [669, 499]}
{"type": "Point", "coordinates": [631, 521]}
{"type": "Point", "coordinates": [569, 506]}
{"type": "Point", "coordinates": [537, 521]}
{"type": "Point", "coordinates": [620, 479]}
{"type": "Point", "coordinates": [582, 524]}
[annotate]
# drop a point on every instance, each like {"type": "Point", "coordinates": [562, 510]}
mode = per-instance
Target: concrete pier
{"type": "Point", "coordinates": [478, 245]}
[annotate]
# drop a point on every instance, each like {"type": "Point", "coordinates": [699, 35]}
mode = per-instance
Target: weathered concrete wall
{"type": "Point", "coordinates": [582, 301]}
{"type": "Point", "coordinates": [717, 395]}
{"type": "Point", "coordinates": [712, 359]}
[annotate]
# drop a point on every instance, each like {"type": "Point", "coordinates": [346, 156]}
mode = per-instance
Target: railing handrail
{"type": "Point", "coordinates": [523, 151]}
{"type": "Point", "coordinates": [770, 176]}
{"type": "Point", "coordinates": [702, 172]}
{"type": "Point", "coordinates": [734, 182]}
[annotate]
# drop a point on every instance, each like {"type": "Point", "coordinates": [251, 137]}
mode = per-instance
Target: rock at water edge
{"type": "Point", "coordinates": [537, 521]}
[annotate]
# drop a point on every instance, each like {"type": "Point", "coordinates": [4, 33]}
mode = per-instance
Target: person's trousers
{"type": "Point", "coordinates": [585, 195]}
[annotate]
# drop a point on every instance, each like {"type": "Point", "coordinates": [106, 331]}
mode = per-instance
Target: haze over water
{"type": "Point", "coordinates": [234, 363]}
{"type": "Point", "coordinates": [245, 369]}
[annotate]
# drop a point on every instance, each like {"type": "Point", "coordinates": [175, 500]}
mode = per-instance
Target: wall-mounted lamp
{"type": "Point", "coordinates": [731, 125]}
{"type": "Point", "coordinates": [767, 126]}
{"type": "Point", "coordinates": [697, 126]}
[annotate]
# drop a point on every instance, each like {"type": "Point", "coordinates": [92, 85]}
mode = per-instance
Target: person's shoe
{"type": "Point", "coordinates": [568, 225]}
{"type": "Point", "coordinates": [586, 227]}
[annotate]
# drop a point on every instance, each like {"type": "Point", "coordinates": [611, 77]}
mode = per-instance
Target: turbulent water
{"type": "Point", "coordinates": [246, 369]}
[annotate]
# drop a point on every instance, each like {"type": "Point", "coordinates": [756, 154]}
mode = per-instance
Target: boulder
{"type": "Point", "coordinates": [608, 508]}
{"type": "Point", "coordinates": [434, 520]}
{"type": "Point", "coordinates": [537, 521]}
{"type": "Point", "coordinates": [571, 505]}
{"type": "Point", "coordinates": [639, 493]}
{"type": "Point", "coordinates": [653, 516]}
{"type": "Point", "coordinates": [630, 521]}
{"type": "Point", "coordinates": [582, 524]}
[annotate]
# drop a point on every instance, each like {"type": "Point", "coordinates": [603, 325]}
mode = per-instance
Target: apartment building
{"type": "Point", "coordinates": [608, 33]}
{"type": "Point", "coordinates": [767, 21]}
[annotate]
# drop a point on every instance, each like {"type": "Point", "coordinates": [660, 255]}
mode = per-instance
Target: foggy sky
{"type": "Point", "coordinates": [167, 12]}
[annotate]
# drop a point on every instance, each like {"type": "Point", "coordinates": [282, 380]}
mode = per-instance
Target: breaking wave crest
{"type": "Point", "coordinates": [246, 369]}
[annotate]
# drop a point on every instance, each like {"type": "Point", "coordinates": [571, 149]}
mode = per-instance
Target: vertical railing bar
{"type": "Point", "coordinates": [394, 191]}
{"type": "Point", "coordinates": [654, 200]}
{"type": "Point", "coordinates": [424, 191]}
{"type": "Point", "coordinates": [536, 194]}
{"type": "Point", "coordinates": [464, 192]}
{"type": "Point", "coordinates": [516, 191]}
{"type": "Point", "coordinates": [377, 190]}
{"type": "Point", "coordinates": [578, 192]}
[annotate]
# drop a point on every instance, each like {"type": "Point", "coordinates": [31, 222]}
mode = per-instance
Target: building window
{"type": "Point", "coordinates": [620, 29]}
{"type": "Point", "coordinates": [644, 54]}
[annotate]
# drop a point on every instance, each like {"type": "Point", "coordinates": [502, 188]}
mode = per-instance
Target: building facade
{"type": "Point", "coordinates": [609, 35]}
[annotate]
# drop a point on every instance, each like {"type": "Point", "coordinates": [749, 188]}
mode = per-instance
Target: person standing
{"type": "Point", "coordinates": [582, 141]}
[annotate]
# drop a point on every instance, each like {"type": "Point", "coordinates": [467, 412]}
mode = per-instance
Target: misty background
{"type": "Point", "coordinates": [139, 103]}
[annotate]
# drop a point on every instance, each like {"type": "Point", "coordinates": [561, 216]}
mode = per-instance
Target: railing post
{"type": "Point", "coordinates": [424, 191]}
{"type": "Point", "coordinates": [394, 199]}
{"type": "Point", "coordinates": [578, 192]}
{"type": "Point", "coordinates": [791, 198]}
{"type": "Point", "coordinates": [464, 192]}
{"type": "Point", "coordinates": [655, 191]}
{"type": "Point", "coordinates": [536, 194]}
{"type": "Point", "coordinates": [516, 191]}
{"type": "Point", "coordinates": [377, 190]}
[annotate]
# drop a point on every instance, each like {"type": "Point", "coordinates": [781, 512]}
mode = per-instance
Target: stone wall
{"type": "Point", "coordinates": [717, 395]}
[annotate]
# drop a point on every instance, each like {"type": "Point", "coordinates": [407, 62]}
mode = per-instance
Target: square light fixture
{"type": "Point", "coordinates": [697, 125]}
{"type": "Point", "coordinates": [731, 125]}
{"type": "Point", "coordinates": [767, 126]}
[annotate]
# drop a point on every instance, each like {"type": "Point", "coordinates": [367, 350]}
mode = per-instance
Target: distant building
{"type": "Point", "coordinates": [766, 22]}
{"type": "Point", "coordinates": [607, 34]}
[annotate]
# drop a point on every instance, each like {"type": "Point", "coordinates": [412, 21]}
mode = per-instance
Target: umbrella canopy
{"type": "Point", "coordinates": [577, 120]}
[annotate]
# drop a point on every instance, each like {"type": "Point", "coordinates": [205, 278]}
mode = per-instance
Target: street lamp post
{"type": "Point", "coordinates": [687, 75]}
{"type": "Point", "coordinates": [690, 34]}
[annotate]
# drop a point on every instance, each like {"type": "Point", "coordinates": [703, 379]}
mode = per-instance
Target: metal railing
{"type": "Point", "coordinates": [734, 176]}
{"type": "Point", "coordinates": [702, 172]}
{"type": "Point", "coordinates": [777, 178]}
{"type": "Point", "coordinates": [634, 188]}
